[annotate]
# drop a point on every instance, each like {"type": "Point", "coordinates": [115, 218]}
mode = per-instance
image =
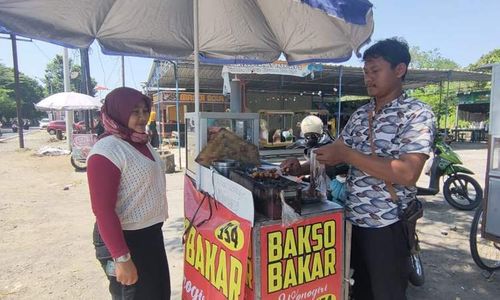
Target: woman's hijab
{"type": "Point", "coordinates": [116, 111]}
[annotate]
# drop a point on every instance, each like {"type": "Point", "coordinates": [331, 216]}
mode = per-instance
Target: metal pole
{"type": "Point", "coordinates": [17, 90]}
{"type": "Point", "coordinates": [196, 75]}
{"type": "Point", "coordinates": [440, 100]}
{"type": "Point", "coordinates": [69, 114]}
{"type": "Point", "coordinates": [86, 86]}
{"type": "Point", "coordinates": [123, 70]}
{"type": "Point", "coordinates": [341, 72]}
{"type": "Point", "coordinates": [447, 102]}
{"type": "Point", "coordinates": [158, 96]}
{"type": "Point", "coordinates": [177, 114]}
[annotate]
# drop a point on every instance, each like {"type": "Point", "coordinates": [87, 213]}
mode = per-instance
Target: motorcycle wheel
{"type": "Point", "coordinates": [79, 165]}
{"type": "Point", "coordinates": [485, 253]}
{"type": "Point", "coordinates": [417, 276]}
{"type": "Point", "coordinates": [462, 192]}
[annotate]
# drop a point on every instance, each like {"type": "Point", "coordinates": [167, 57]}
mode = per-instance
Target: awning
{"type": "Point", "coordinates": [326, 81]}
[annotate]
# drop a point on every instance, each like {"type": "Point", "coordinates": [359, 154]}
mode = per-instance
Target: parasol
{"type": "Point", "coordinates": [69, 101]}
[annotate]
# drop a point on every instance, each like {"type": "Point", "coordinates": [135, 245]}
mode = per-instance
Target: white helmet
{"type": "Point", "coordinates": [311, 124]}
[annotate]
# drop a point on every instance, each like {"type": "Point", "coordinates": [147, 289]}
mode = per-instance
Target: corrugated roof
{"type": "Point", "coordinates": [326, 80]}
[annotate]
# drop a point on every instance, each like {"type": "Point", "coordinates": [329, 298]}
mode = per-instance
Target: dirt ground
{"type": "Point", "coordinates": [46, 223]}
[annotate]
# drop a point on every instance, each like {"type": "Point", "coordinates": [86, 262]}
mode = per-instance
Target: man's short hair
{"type": "Point", "coordinates": [393, 50]}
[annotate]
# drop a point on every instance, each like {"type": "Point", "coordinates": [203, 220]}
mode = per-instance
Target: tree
{"type": "Point", "coordinates": [431, 59]}
{"type": "Point", "coordinates": [54, 80]}
{"type": "Point", "coordinates": [489, 58]}
{"type": "Point", "coordinates": [30, 92]}
{"type": "Point", "coordinates": [443, 103]}
{"type": "Point", "coordinates": [7, 105]}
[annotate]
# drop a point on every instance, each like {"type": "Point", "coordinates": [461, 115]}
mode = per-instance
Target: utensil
{"type": "Point", "coordinates": [223, 166]}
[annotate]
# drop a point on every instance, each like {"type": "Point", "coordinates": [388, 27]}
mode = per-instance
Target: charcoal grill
{"type": "Point", "coordinates": [266, 193]}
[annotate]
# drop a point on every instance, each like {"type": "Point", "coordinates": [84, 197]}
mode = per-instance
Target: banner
{"type": "Point", "coordinates": [276, 68]}
{"type": "Point", "coordinates": [303, 261]}
{"type": "Point", "coordinates": [169, 97]}
{"type": "Point", "coordinates": [216, 248]}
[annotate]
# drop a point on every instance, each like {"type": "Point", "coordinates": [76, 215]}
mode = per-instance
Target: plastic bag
{"type": "Point", "coordinates": [337, 187]}
{"type": "Point", "coordinates": [319, 181]}
{"type": "Point", "coordinates": [288, 214]}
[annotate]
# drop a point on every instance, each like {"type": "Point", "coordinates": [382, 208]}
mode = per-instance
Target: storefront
{"type": "Point", "coordinates": [168, 106]}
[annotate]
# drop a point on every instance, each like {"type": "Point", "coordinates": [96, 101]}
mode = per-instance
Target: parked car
{"type": "Point", "coordinates": [53, 126]}
{"type": "Point", "coordinates": [43, 123]}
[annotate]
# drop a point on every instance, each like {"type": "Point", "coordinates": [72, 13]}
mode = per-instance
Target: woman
{"type": "Point", "coordinates": [128, 195]}
{"type": "Point", "coordinates": [152, 131]}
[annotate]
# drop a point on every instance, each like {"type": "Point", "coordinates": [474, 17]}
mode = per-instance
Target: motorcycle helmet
{"type": "Point", "coordinates": [312, 128]}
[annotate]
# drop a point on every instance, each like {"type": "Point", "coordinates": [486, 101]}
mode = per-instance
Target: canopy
{"type": "Point", "coordinates": [230, 31]}
{"type": "Point", "coordinates": [69, 101]}
{"type": "Point", "coordinates": [325, 80]}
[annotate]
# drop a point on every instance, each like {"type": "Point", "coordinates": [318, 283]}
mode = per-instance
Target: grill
{"type": "Point", "coordinates": [266, 193]}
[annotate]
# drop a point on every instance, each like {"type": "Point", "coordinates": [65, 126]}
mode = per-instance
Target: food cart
{"type": "Point", "coordinates": [238, 246]}
{"type": "Point", "coordinates": [81, 144]}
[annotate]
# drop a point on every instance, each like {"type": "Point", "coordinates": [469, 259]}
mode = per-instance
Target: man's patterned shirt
{"type": "Point", "coordinates": [405, 125]}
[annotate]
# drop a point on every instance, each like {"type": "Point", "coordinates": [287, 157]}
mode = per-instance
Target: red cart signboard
{"type": "Point", "coordinates": [215, 250]}
{"type": "Point", "coordinates": [225, 258]}
{"type": "Point", "coordinates": [304, 260]}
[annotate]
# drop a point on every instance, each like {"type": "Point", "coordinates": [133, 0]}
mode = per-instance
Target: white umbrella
{"type": "Point", "coordinates": [69, 101]}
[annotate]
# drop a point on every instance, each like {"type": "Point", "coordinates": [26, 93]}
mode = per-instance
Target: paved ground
{"type": "Point", "coordinates": [46, 222]}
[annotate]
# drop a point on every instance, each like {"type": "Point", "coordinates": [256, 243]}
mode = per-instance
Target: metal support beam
{"type": "Point", "coordinates": [17, 91]}
{"type": "Point", "coordinates": [177, 114]}
{"type": "Point", "coordinates": [123, 70]}
{"type": "Point", "coordinates": [67, 88]}
{"type": "Point", "coordinates": [447, 104]}
{"type": "Point", "coordinates": [341, 72]}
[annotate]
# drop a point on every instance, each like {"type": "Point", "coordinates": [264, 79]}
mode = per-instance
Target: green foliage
{"type": "Point", "coordinates": [7, 105]}
{"type": "Point", "coordinates": [442, 100]}
{"type": "Point", "coordinates": [54, 80]}
{"type": "Point", "coordinates": [30, 92]}
{"type": "Point", "coordinates": [489, 58]}
{"type": "Point", "coordinates": [443, 103]}
{"type": "Point", "coordinates": [431, 59]}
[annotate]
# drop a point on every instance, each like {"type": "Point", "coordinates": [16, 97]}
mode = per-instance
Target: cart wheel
{"type": "Point", "coordinates": [462, 192]}
{"type": "Point", "coordinates": [79, 165]}
{"type": "Point", "coordinates": [485, 253]}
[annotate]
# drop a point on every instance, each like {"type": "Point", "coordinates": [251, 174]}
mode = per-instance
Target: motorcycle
{"type": "Point", "coordinates": [417, 275]}
{"type": "Point", "coordinates": [460, 190]}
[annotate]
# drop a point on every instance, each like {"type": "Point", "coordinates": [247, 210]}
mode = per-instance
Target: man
{"type": "Point", "coordinates": [386, 143]}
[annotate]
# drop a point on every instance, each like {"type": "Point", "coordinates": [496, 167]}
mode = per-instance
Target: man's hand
{"type": "Point", "coordinates": [126, 273]}
{"type": "Point", "coordinates": [291, 166]}
{"type": "Point", "coordinates": [333, 154]}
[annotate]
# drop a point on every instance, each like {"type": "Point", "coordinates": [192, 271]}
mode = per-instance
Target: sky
{"type": "Point", "coordinates": [461, 30]}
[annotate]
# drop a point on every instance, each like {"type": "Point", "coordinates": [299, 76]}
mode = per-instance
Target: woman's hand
{"type": "Point", "coordinates": [126, 273]}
